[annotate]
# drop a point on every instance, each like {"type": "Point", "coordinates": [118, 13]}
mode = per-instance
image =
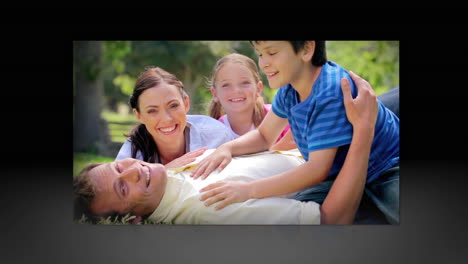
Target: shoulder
{"type": "Point", "coordinates": [203, 122]}
{"type": "Point", "coordinates": [221, 119]}
{"type": "Point", "coordinates": [206, 131]}
{"type": "Point", "coordinates": [284, 94]}
{"type": "Point", "coordinates": [125, 151]}
{"type": "Point", "coordinates": [328, 84]}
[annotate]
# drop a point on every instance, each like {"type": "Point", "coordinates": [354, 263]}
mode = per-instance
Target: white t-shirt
{"type": "Point", "coordinates": [205, 131]}
{"type": "Point", "coordinates": [181, 204]}
{"type": "Point", "coordinates": [225, 120]}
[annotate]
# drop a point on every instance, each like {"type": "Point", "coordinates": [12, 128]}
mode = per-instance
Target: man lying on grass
{"type": "Point", "coordinates": [151, 191]}
{"type": "Point", "coordinates": [172, 196]}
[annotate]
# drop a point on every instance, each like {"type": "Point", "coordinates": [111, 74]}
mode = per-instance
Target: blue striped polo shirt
{"type": "Point", "coordinates": [320, 122]}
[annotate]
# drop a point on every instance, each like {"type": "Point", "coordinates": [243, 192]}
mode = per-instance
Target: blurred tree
{"type": "Point", "coordinates": [90, 133]}
{"type": "Point", "coordinates": [114, 53]}
{"type": "Point", "coordinates": [192, 62]}
{"type": "Point", "coordinates": [376, 61]}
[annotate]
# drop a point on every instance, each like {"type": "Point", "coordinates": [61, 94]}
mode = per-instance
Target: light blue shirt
{"type": "Point", "coordinates": [204, 132]}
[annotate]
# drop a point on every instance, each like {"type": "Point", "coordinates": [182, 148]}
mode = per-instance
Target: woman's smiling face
{"type": "Point", "coordinates": [163, 111]}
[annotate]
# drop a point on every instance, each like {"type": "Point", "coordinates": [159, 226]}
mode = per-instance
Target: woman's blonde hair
{"type": "Point", "coordinates": [215, 109]}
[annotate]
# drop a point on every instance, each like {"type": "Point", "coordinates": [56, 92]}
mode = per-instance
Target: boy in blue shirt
{"type": "Point", "coordinates": [311, 100]}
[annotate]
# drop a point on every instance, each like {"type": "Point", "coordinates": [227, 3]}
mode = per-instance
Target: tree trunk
{"type": "Point", "coordinates": [90, 132]}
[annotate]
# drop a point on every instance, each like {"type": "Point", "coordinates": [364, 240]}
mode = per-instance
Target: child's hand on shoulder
{"type": "Point", "coordinates": [362, 110]}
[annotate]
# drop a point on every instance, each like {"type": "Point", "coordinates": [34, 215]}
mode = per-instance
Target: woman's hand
{"type": "Point", "coordinates": [226, 193]}
{"type": "Point", "coordinates": [185, 159]}
{"type": "Point", "coordinates": [220, 158]}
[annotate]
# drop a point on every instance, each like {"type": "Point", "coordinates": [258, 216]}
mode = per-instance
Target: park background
{"type": "Point", "coordinates": [104, 73]}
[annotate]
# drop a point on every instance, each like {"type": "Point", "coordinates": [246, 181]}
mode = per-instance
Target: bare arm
{"type": "Point", "coordinates": [254, 141]}
{"type": "Point", "coordinates": [259, 139]}
{"type": "Point", "coordinates": [308, 174]}
{"type": "Point", "coordinates": [285, 143]}
{"type": "Point", "coordinates": [342, 201]}
{"type": "Point", "coordinates": [345, 195]}
{"type": "Point", "coordinates": [314, 171]}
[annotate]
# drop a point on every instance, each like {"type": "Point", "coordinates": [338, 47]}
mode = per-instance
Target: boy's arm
{"type": "Point", "coordinates": [314, 171]}
{"type": "Point", "coordinates": [254, 141]}
{"type": "Point", "coordinates": [342, 201]}
{"type": "Point", "coordinates": [285, 143]}
{"type": "Point", "coordinates": [259, 139]}
{"type": "Point", "coordinates": [344, 197]}
{"type": "Point", "coordinates": [310, 173]}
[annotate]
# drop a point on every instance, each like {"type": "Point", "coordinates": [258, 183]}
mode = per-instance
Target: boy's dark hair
{"type": "Point", "coordinates": [320, 53]}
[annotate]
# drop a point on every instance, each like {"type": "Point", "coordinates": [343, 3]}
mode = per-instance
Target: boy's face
{"type": "Point", "coordinates": [279, 62]}
{"type": "Point", "coordinates": [127, 185]}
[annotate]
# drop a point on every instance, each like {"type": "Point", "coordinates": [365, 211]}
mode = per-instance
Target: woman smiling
{"type": "Point", "coordinates": [167, 135]}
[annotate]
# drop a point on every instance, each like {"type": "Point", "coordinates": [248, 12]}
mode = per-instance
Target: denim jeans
{"type": "Point", "coordinates": [391, 100]}
{"type": "Point", "coordinates": [385, 193]}
{"type": "Point", "coordinates": [380, 203]}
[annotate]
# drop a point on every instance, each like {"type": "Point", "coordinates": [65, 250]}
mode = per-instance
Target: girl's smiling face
{"type": "Point", "coordinates": [236, 88]}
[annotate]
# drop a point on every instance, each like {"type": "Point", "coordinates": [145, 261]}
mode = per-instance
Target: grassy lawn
{"type": "Point", "coordinates": [81, 160]}
{"type": "Point", "coordinates": [118, 117]}
{"type": "Point", "coordinates": [119, 124]}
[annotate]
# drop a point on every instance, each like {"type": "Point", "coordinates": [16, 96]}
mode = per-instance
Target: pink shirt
{"type": "Point", "coordinates": [266, 107]}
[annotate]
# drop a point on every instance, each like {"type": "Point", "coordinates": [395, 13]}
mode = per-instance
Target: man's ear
{"type": "Point", "coordinates": [308, 51]}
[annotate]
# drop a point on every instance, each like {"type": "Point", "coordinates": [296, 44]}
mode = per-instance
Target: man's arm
{"type": "Point", "coordinates": [342, 201]}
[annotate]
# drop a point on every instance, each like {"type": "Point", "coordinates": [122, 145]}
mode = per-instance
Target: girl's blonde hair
{"type": "Point", "coordinates": [215, 109]}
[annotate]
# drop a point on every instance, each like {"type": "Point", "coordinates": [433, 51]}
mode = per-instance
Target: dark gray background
{"type": "Point", "coordinates": [36, 192]}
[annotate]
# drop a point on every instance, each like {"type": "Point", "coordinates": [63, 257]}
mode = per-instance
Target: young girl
{"type": "Point", "coordinates": [237, 92]}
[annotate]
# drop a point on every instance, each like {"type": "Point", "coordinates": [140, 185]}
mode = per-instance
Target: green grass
{"type": "Point", "coordinates": [118, 117]}
{"type": "Point", "coordinates": [81, 160]}
{"type": "Point", "coordinates": [119, 124]}
{"type": "Point", "coordinates": [117, 131]}
{"type": "Point", "coordinates": [125, 220]}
